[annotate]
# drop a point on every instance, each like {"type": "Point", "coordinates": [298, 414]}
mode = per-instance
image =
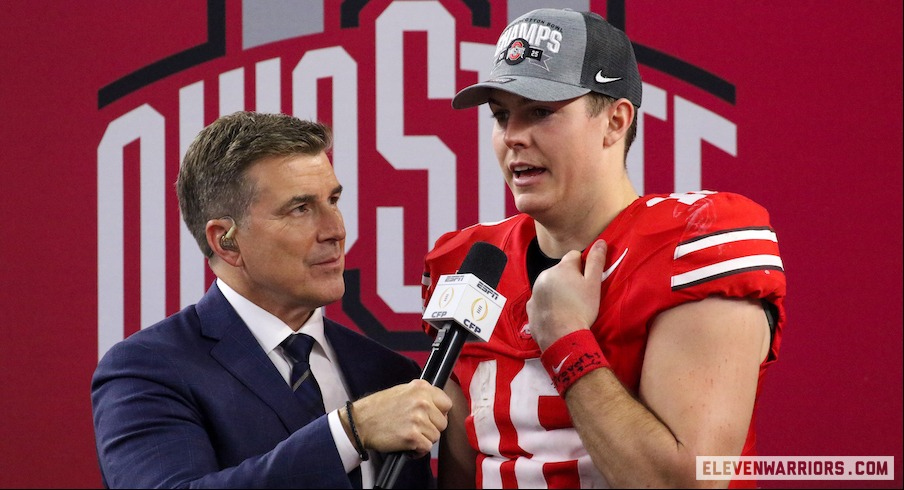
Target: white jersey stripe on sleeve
{"type": "Point", "coordinates": [741, 264]}
{"type": "Point", "coordinates": [723, 238]}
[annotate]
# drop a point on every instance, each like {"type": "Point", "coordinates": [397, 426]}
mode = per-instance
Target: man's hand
{"type": "Point", "coordinates": [404, 418]}
{"type": "Point", "coordinates": [566, 297]}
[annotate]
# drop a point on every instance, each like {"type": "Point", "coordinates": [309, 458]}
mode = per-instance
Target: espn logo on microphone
{"type": "Point", "coordinates": [466, 300]}
{"type": "Point", "coordinates": [795, 467]}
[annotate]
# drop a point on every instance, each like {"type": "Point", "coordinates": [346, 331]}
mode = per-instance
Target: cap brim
{"type": "Point", "coordinates": [528, 87]}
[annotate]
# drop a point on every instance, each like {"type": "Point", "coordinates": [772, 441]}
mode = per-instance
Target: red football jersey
{"type": "Point", "coordinates": [664, 250]}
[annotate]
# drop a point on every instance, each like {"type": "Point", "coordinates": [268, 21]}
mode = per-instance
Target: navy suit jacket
{"type": "Point", "coordinates": [194, 401]}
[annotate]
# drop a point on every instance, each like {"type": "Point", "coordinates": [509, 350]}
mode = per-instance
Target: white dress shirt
{"type": "Point", "coordinates": [270, 331]}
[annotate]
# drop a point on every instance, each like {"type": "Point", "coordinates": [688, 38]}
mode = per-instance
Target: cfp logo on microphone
{"type": "Point", "coordinates": [479, 309]}
{"type": "Point", "coordinates": [445, 299]}
{"type": "Point", "coordinates": [466, 300]}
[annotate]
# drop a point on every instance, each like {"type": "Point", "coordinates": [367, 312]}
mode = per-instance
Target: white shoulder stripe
{"type": "Point", "coordinates": [723, 238]}
{"type": "Point", "coordinates": [726, 267]}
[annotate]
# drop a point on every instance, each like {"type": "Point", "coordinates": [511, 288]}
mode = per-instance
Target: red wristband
{"type": "Point", "coordinates": [571, 357]}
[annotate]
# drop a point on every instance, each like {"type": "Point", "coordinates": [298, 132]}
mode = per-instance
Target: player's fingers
{"type": "Point", "coordinates": [596, 260]}
{"type": "Point", "coordinates": [571, 260]}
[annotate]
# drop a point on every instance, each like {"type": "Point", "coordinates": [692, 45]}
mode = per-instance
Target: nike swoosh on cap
{"type": "Point", "coordinates": [601, 79]}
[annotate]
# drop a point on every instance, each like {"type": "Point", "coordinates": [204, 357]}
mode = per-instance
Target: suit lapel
{"type": "Point", "coordinates": [366, 365]}
{"type": "Point", "coordinates": [239, 353]}
{"type": "Point", "coordinates": [349, 357]}
{"type": "Point", "coordinates": [369, 367]}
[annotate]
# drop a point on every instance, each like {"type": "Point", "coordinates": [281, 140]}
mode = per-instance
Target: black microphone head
{"type": "Point", "coordinates": [486, 261]}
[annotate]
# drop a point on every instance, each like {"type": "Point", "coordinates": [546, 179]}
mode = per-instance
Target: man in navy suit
{"type": "Point", "coordinates": [203, 398]}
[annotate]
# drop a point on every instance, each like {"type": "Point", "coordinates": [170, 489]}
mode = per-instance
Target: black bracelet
{"type": "Point", "coordinates": [359, 446]}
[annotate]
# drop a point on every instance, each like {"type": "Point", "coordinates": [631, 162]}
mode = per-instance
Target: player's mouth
{"type": "Point", "coordinates": [524, 172]}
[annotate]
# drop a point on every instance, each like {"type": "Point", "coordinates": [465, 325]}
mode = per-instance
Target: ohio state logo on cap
{"type": "Point", "coordinates": [518, 50]}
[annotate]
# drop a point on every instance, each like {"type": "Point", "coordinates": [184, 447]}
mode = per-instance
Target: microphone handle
{"type": "Point", "coordinates": [457, 335]}
{"type": "Point", "coordinates": [439, 343]}
{"type": "Point", "coordinates": [436, 371]}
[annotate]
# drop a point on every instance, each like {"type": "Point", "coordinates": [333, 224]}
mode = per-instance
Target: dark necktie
{"type": "Point", "coordinates": [298, 348]}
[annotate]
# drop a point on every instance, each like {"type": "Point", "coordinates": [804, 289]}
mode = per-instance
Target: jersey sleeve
{"type": "Point", "coordinates": [728, 247]}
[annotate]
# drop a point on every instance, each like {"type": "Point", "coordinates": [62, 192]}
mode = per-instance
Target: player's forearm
{"type": "Point", "coordinates": [628, 444]}
{"type": "Point", "coordinates": [457, 461]}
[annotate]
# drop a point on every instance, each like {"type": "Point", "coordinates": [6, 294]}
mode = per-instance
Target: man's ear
{"type": "Point", "coordinates": [621, 115]}
{"type": "Point", "coordinates": [221, 237]}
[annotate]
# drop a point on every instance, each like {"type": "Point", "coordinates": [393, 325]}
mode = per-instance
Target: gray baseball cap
{"type": "Point", "coordinates": [559, 54]}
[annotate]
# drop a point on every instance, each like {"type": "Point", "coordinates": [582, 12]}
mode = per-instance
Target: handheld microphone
{"type": "Point", "coordinates": [462, 304]}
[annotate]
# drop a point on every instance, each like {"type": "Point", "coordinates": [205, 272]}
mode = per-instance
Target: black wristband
{"type": "Point", "coordinates": [359, 446]}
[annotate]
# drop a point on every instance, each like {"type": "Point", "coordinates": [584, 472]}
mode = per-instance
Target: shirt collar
{"type": "Point", "coordinates": [268, 330]}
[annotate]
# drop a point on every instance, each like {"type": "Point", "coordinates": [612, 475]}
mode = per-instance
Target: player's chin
{"type": "Point", "coordinates": [532, 203]}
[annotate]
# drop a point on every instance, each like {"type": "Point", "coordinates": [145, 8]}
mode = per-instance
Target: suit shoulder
{"type": "Point", "coordinates": [172, 334]}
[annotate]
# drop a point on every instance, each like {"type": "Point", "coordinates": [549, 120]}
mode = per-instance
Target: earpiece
{"type": "Point", "coordinates": [226, 240]}
{"type": "Point", "coordinates": [231, 232]}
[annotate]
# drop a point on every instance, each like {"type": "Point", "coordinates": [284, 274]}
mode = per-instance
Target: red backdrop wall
{"type": "Point", "coordinates": [797, 105]}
